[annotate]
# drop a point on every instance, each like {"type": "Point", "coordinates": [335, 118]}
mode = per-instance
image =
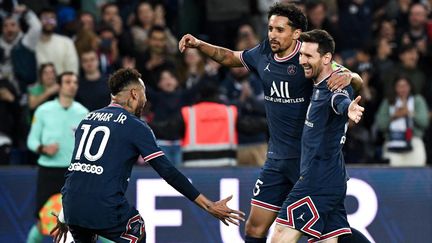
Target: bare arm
{"type": "Point", "coordinates": [221, 55]}
{"type": "Point", "coordinates": [343, 79]}
{"type": "Point", "coordinates": [220, 210]}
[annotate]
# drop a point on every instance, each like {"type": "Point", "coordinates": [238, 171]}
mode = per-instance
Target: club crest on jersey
{"type": "Point", "coordinates": [292, 69]}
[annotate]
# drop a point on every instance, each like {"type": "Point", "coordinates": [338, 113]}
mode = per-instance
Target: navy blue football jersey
{"type": "Point", "coordinates": [322, 162]}
{"type": "Point", "coordinates": [107, 144]}
{"type": "Point", "coordinates": [286, 92]}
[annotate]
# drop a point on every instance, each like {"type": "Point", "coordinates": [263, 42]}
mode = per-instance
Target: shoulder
{"type": "Point", "coordinates": [419, 100]}
{"type": "Point", "coordinates": [261, 48]}
{"type": "Point", "coordinates": [45, 108]}
{"type": "Point", "coordinates": [35, 89]}
{"type": "Point", "coordinates": [47, 105]}
{"type": "Point", "coordinates": [62, 38]}
{"type": "Point", "coordinates": [78, 107]}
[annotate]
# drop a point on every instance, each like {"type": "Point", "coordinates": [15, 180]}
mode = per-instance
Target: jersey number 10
{"type": "Point", "coordinates": [92, 157]}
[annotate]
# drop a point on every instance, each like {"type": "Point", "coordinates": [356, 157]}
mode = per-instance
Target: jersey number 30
{"type": "Point", "coordinates": [92, 157]}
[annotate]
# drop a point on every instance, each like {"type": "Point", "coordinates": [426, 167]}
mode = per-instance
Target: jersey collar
{"type": "Point", "coordinates": [328, 76]}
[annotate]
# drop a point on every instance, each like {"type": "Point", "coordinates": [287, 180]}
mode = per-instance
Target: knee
{"type": "Point", "coordinates": [255, 229]}
{"type": "Point", "coordinates": [277, 235]}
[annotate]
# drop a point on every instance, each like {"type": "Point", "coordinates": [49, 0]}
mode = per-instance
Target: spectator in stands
{"type": "Point", "coordinates": [110, 17]}
{"type": "Point", "coordinates": [145, 18]}
{"type": "Point", "coordinates": [55, 48]}
{"type": "Point", "coordinates": [93, 92]}
{"type": "Point", "coordinates": [398, 10]}
{"type": "Point", "coordinates": [244, 90]}
{"type": "Point", "coordinates": [86, 40]}
{"type": "Point", "coordinates": [13, 43]}
{"type": "Point", "coordinates": [87, 21]}
{"type": "Point", "coordinates": [192, 67]}
{"type": "Point", "coordinates": [156, 57]}
{"type": "Point", "coordinates": [403, 117]}
{"type": "Point", "coordinates": [416, 31]}
{"type": "Point", "coordinates": [45, 89]}
{"type": "Point", "coordinates": [316, 12]}
{"type": "Point", "coordinates": [408, 67]}
{"type": "Point", "coordinates": [165, 105]}
{"type": "Point", "coordinates": [210, 130]}
{"type": "Point", "coordinates": [108, 50]}
{"type": "Point", "coordinates": [355, 22]}
{"type": "Point", "coordinates": [247, 37]}
{"type": "Point", "coordinates": [52, 137]}
{"type": "Point", "coordinates": [111, 20]}
{"type": "Point", "coordinates": [10, 114]}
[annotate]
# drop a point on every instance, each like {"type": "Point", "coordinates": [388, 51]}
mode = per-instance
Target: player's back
{"type": "Point", "coordinates": [98, 176]}
{"type": "Point", "coordinates": [322, 163]}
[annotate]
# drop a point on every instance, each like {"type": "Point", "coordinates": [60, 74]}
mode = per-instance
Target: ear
{"type": "Point", "coordinates": [296, 34]}
{"type": "Point", "coordinates": [134, 93]}
{"type": "Point", "coordinates": [327, 58]}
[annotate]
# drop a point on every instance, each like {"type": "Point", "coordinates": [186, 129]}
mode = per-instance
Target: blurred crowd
{"type": "Point", "coordinates": [387, 42]}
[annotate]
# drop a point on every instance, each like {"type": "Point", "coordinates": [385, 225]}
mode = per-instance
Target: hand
{"type": "Point", "coordinates": [6, 95]}
{"type": "Point", "coordinates": [339, 81]}
{"type": "Point", "coordinates": [188, 41]}
{"type": "Point", "coordinates": [53, 89]}
{"type": "Point", "coordinates": [60, 231]}
{"type": "Point", "coordinates": [154, 62]}
{"type": "Point", "coordinates": [401, 112]}
{"type": "Point", "coordinates": [50, 149]}
{"type": "Point", "coordinates": [221, 211]}
{"type": "Point", "coordinates": [355, 111]}
{"type": "Point", "coordinates": [19, 9]}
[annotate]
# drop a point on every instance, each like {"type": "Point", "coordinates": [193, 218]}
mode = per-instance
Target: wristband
{"type": "Point", "coordinates": [61, 217]}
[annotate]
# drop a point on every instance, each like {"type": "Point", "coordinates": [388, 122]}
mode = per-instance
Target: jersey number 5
{"type": "Point", "coordinates": [256, 190]}
{"type": "Point", "coordinates": [92, 157]}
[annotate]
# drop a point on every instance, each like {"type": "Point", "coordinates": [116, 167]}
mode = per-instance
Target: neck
{"type": "Point", "coordinates": [288, 51]}
{"type": "Point", "coordinates": [45, 37]}
{"type": "Point", "coordinates": [93, 75]}
{"type": "Point", "coordinates": [66, 102]}
{"type": "Point", "coordinates": [123, 103]}
{"type": "Point", "coordinates": [325, 72]}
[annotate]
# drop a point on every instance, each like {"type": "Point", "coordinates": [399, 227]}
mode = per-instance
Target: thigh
{"type": "Point", "coordinates": [336, 223]}
{"type": "Point", "coordinates": [307, 209]}
{"type": "Point", "coordinates": [273, 184]}
{"type": "Point", "coordinates": [82, 235]}
{"type": "Point", "coordinates": [132, 230]}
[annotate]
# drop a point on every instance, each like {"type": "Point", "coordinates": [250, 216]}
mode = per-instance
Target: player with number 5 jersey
{"type": "Point", "coordinates": [287, 94]}
{"type": "Point", "coordinates": [107, 145]}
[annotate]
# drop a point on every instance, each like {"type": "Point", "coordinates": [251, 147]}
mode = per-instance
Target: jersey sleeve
{"type": "Point", "coordinates": [34, 137]}
{"type": "Point", "coordinates": [145, 141]}
{"type": "Point", "coordinates": [340, 101]}
{"type": "Point", "coordinates": [250, 58]}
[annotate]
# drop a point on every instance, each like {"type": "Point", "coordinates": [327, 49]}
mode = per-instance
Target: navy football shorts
{"type": "Point", "coordinates": [275, 181]}
{"type": "Point", "coordinates": [317, 212]}
{"type": "Point", "coordinates": [132, 230]}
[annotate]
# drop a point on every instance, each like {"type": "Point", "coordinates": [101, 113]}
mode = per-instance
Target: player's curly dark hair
{"type": "Point", "coordinates": [324, 40]}
{"type": "Point", "coordinates": [122, 78]}
{"type": "Point", "coordinates": [295, 16]}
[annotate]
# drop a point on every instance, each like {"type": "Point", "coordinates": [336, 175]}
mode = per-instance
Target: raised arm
{"type": "Point", "coordinates": [221, 55]}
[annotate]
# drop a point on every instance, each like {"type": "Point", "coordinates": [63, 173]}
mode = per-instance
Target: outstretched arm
{"type": "Point", "coordinates": [177, 180]}
{"type": "Point", "coordinates": [221, 55]}
{"type": "Point", "coordinates": [355, 111]}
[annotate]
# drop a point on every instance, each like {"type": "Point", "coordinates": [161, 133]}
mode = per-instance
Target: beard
{"type": "Point", "coordinates": [48, 31]}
